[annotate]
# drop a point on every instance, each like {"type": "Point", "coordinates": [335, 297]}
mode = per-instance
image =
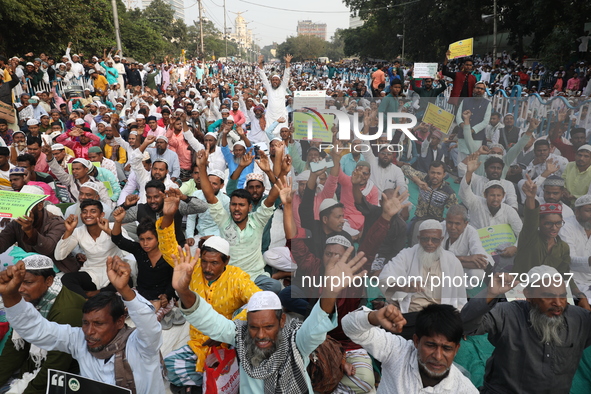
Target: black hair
{"type": "Point", "coordinates": [105, 299]}
{"type": "Point", "coordinates": [578, 130]}
{"type": "Point", "coordinates": [156, 184]}
{"type": "Point", "coordinates": [541, 142]}
{"type": "Point", "coordinates": [146, 225]}
{"type": "Point", "coordinates": [165, 111]}
{"type": "Point", "coordinates": [496, 114]}
{"type": "Point", "coordinates": [33, 140]}
{"type": "Point", "coordinates": [242, 193]}
{"type": "Point", "coordinates": [45, 273]}
{"type": "Point", "coordinates": [440, 319]}
{"type": "Point", "coordinates": [89, 203]}
{"type": "Point", "coordinates": [468, 59]}
{"type": "Point", "coordinates": [56, 124]}
{"type": "Point", "coordinates": [494, 160]}
{"type": "Point", "coordinates": [328, 211]}
{"type": "Point", "coordinates": [161, 161]}
{"type": "Point", "coordinates": [28, 158]}
{"type": "Point", "coordinates": [3, 121]}
{"type": "Point", "coordinates": [437, 164]}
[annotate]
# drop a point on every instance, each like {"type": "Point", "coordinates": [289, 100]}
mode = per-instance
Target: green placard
{"type": "Point", "coordinates": [14, 204]}
{"type": "Point", "coordinates": [494, 236]}
{"type": "Point", "coordinates": [321, 126]}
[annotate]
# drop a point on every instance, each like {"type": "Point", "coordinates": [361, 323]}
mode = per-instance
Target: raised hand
{"type": "Point", "coordinates": [184, 265]}
{"type": "Point", "coordinates": [119, 214]}
{"type": "Point", "coordinates": [534, 123]}
{"type": "Point", "coordinates": [391, 206]}
{"type": "Point", "coordinates": [11, 279]}
{"type": "Point", "coordinates": [104, 225]}
{"type": "Point", "coordinates": [529, 187]}
{"type": "Point", "coordinates": [466, 115]}
{"type": "Point", "coordinates": [246, 160]}
{"type": "Point", "coordinates": [171, 203]}
{"type": "Point", "coordinates": [263, 162]}
{"type": "Point", "coordinates": [343, 268]}
{"type": "Point", "coordinates": [149, 139]}
{"type": "Point", "coordinates": [118, 272]}
{"type": "Point", "coordinates": [389, 318]}
{"type": "Point", "coordinates": [202, 158]}
{"type": "Point", "coordinates": [131, 200]}
{"type": "Point", "coordinates": [284, 186]}
{"type": "Point", "coordinates": [281, 120]}
{"type": "Point", "coordinates": [45, 148]}
{"type": "Point", "coordinates": [483, 150]}
{"type": "Point", "coordinates": [288, 58]}
{"type": "Point", "coordinates": [356, 176]}
{"type": "Point", "coordinates": [286, 165]}
{"type": "Point", "coordinates": [473, 163]}
{"type": "Point", "coordinates": [551, 166]}
{"type": "Point", "coordinates": [71, 222]}
{"type": "Point", "coordinates": [501, 283]}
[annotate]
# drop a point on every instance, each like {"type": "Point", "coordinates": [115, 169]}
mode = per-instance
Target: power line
{"type": "Point", "coordinates": [326, 12]}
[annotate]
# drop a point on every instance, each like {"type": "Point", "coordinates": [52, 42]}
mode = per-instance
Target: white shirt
{"type": "Point", "coordinates": [216, 159]}
{"type": "Point", "coordinates": [96, 252]}
{"type": "Point", "coordinates": [276, 106]}
{"type": "Point", "coordinates": [141, 350]}
{"type": "Point", "coordinates": [580, 249]}
{"type": "Point", "coordinates": [142, 176]}
{"type": "Point", "coordinates": [400, 367]}
{"type": "Point", "coordinates": [480, 215]}
{"type": "Point", "coordinates": [390, 177]}
{"type": "Point", "coordinates": [478, 182]}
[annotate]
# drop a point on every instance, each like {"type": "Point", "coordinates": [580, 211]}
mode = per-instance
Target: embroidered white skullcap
{"type": "Point", "coordinates": [430, 224]}
{"type": "Point", "coordinates": [339, 239]}
{"type": "Point", "coordinates": [161, 160]}
{"type": "Point", "coordinates": [218, 173]}
{"type": "Point", "coordinates": [140, 116]}
{"type": "Point", "coordinates": [163, 138]}
{"type": "Point", "coordinates": [255, 176]}
{"type": "Point", "coordinates": [303, 176]}
{"type": "Point", "coordinates": [241, 143]}
{"type": "Point", "coordinates": [264, 301]}
{"type": "Point", "coordinates": [37, 262]}
{"type": "Point", "coordinates": [79, 121]}
{"type": "Point", "coordinates": [583, 200]}
{"type": "Point", "coordinates": [30, 189]}
{"type": "Point", "coordinates": [494, 183]}
{"type": "Point", "coordinates": [86, 163]}
{"type": "Point", "coordinates": [219, 244]}
{"type": "Point", "coordinates": [90, 185]}
{"type": "Point", "coordinates": [327, 203]}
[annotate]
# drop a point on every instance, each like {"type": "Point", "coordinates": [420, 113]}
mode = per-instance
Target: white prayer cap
{"type": "Point", "coordinates": [264, 301]}
{"type": "Point", "coordinates": [79, 121]}
{"type": "Point", "coordinates": [303, 176]}
{"type": "Point", "coordinates": [90, 185]}
{"type": "Point", "coordinates": [129, 121]}
{"type": "Point", "coordinates": [329, 203]}
{"type": "Point", "coordinates": [146, 156]}
{"type": "Point", "coordinates": [37, 262]}
{"type": "Point", "coordinates": [32, 122]}
{"type": "Point", "coordinates": [57, 147]}
{"type": "Point", "coordinates": [275, 76]}
{"type": "Point", "coordinates": [230, 117]}
{"type": "Point", "coordinates": [218, 243]}
{"type": "Point", "coordinates": [583, 200]}
{"type": "Point", "coordinates": [161, 160]}
{"type": "Point", "coordinates": [140, 116]}
{"type": "Point", "coordinates": [339, 239]}
{"type": "Point", "coordinates": [536, 273]}
{"type": "Point", "coordinates": [241, 143]}
{"type": "Point", "coordinates": [586, 147]}
{"type": "Point", "coordinates": [218, 173]}
{"type": "Point", "coordinates": [489, 184]}
{"type": "Point", "coordinates": [163, 138]}
{"type": "Point", "coordinates": [430, 224]}
{"type": "Point", "coordinates": [30, 189]}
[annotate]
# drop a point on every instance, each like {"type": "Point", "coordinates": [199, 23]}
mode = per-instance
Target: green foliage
{"type": "Point", "coordinates": [311, 48]}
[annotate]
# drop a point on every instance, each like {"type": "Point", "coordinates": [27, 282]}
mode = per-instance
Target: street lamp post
{"type": "Point", "coordinates": [495, 31]}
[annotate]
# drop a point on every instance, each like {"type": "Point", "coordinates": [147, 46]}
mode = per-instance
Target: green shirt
{"type": "Point", "coordinates": [576, 182]}
{"type": "Point", "coordinates": [532, 249]}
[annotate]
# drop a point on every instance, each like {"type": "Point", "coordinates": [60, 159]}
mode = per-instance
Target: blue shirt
{"type": "Point", "coordinates": [232, 165]}
{"type": "Point", "coordinates": [348, 163]}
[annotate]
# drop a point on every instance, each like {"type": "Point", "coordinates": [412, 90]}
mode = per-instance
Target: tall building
{"type": "Point", "coordinates": [308, 28]}
{"type": "Point", "coordinates": [243, 35]}
{"type": "Point", "coordinates": [177, 5]}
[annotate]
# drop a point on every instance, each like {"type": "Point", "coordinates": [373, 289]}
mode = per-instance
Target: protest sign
{"type": "Point", "coordinates": [59, 382]}
{"type": "Point", "coordinates": [14, 204]}
{"type": "Point", "coordinates": [494, 236]}
{"type": "Point", "coordinates": [438, 118]}
{"type": "Point", "coordinates": [315, 99]}
{"type": "Point", "coordinates": [320, 130]}
{"type": "Point", "coordinates": [461, 48]}
{"type": "Point", "coordinates": [425, 70]}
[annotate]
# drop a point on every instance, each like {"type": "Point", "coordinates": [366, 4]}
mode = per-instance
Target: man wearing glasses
{"type": "Point", "coordinates": [474, 112]}
{"type": "Point", "coordinates": [413, 279]}
{"type": "Point", "coordinates": [539, 241]}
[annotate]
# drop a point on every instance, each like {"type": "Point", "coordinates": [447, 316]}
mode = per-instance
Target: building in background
{"type": "Point", "coordinates": [308, 28]}
{"type": "Point", "coordinates": [243, 35]}
{"type": "Point", "coordinates": [177, 5]}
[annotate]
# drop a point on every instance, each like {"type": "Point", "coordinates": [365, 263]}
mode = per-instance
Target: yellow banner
{"type": "Point", "coordinates": [438, 118]}
{"type": "Point", "coordinates": [461, 48]}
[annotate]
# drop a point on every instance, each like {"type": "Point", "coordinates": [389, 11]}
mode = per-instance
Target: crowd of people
{"type": "Point", "coordinates": [184, 192]}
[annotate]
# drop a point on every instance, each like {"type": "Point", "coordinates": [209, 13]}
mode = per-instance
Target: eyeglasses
{"type": "Point", "coordinates": [553, 224]}
{"type": "Point", "coordinates": [432, 239]}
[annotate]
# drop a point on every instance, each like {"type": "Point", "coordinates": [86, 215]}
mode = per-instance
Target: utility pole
{"type": "Point", "coordinates": [495, 32]}
{"type": "Point", "coordinates": [225, 31]}
{"type": "Point", "coordinates": [202, 54]}
{"type": "Point", "coordinates": [116, 23]}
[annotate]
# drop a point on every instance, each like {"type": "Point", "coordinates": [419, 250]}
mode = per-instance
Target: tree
{"type": "Point", "coordinates": [302, 48]}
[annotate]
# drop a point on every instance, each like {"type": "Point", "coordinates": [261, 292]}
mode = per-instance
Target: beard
{"type": "Point", "coordinates": [586, 225]}
{"type": "Point", "coordinates": [548, 328]}
{"type": "Point", "coordinates": [431, 374]}
{"type": "Point", "coordinates": [258, 355]}
{"type": "Point", "coordinates": [160, 151]}
{"type": "Point", "coordinates": [428, 260]}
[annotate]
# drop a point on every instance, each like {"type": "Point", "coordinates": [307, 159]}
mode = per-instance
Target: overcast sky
{"type": "Point", "coordinates": [270, 25]}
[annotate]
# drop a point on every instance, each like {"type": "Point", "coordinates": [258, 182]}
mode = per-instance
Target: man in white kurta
{"type": "Point", "coordinates": [427, 261]}
{"type": "Point", "coordinates": [277, 89]}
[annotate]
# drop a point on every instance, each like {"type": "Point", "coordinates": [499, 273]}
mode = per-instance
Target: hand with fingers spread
{"type": "Point", "coordinates": [551, 167]}
{"type": "Point", "coordinates": [389, 318]}
{"type": "Point", "coordinates": [284, 185]}
{"type": "Point", "coordinates": [473, 163]}
{"type": "Point", "coordinates": [171, 202]}
{"type": "Point", "coordinates": [394, 204]}
{"type": "Point", "coordinates": [345, 269]}
{"type": "Point", "coordinates": [501, 283]}
{"type": "Point", "coordinates": [263, 162]}
{"type": "Point", "coordinates": [246, 160]}
{"type": "Point", "coordinates": [184, 265]}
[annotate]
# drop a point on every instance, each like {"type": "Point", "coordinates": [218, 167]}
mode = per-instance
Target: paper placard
{"type": "Point", "coordinates": [319, 129]}
{"type": "Point", "coordinates": [59, 382]}
{"type": "Point", "coordinates": [438, 118]}
{"type": "Point", "coordinates": [14, 204]}
{"type": "Point", "coordinates": [425, 70]}
{"type": "Point", "coordinates": [493, 236]}
{"type": "Point", "coordinates": [461, 48]}
{"type": "Point", "coordinates": [315, 99]}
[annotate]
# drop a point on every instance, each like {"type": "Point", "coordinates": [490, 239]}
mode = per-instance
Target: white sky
{"type": "Point", "coordinates": [270, 25]}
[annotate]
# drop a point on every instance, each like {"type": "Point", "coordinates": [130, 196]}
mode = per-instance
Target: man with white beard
{"type": "Point", "coordinates": [538, 342]}
{"type": "Point", "coordinates": [276, 91]}
{"type": "Point", "coordinates": [413, 279]}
